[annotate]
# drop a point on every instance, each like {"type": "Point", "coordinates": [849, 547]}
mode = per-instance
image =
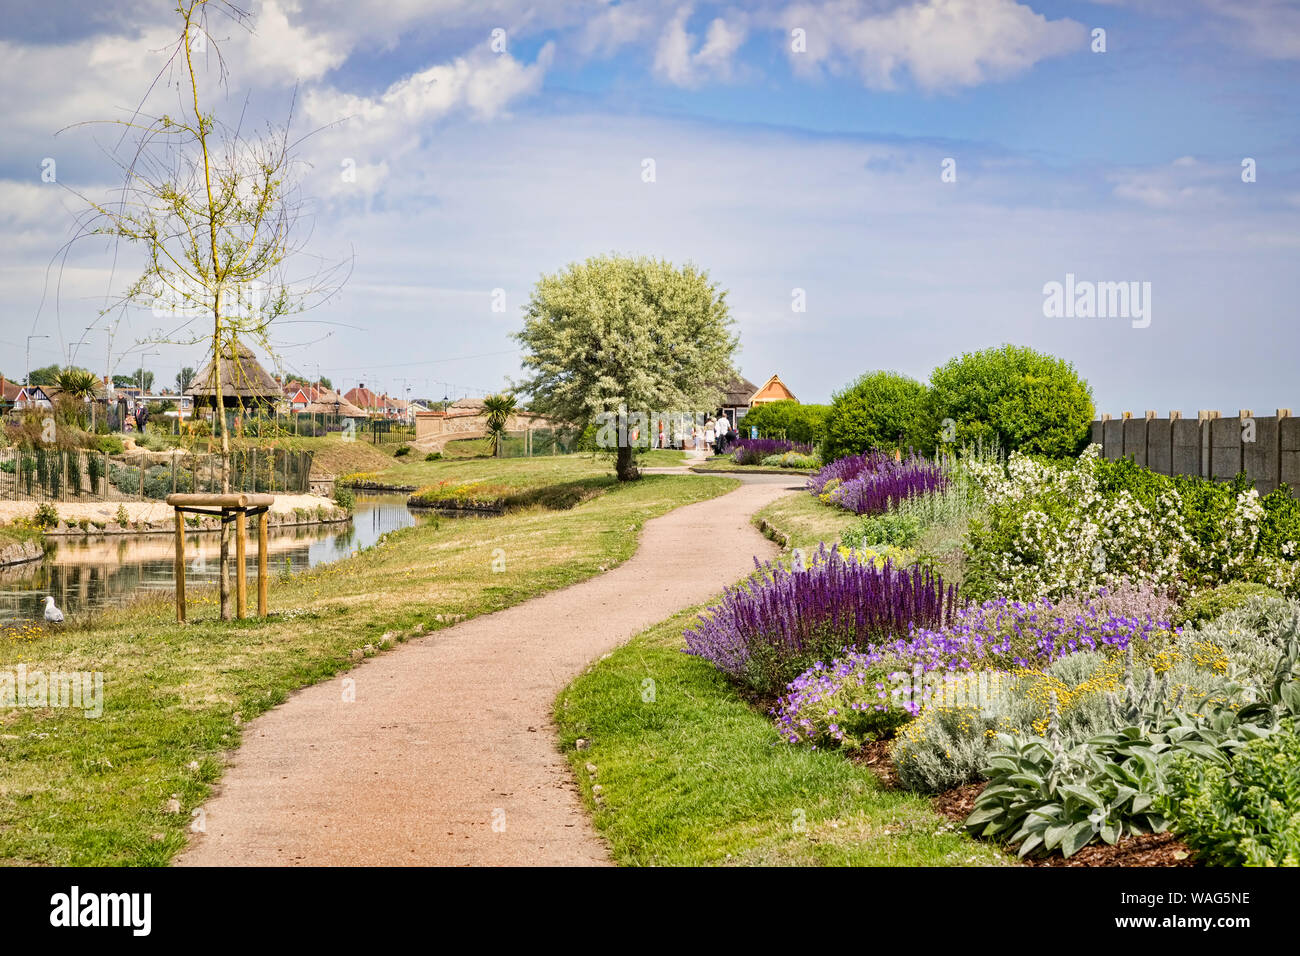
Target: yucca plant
{"type": "Point", "coordinates": [499, 408]}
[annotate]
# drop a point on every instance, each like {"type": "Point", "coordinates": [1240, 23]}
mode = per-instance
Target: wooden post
{"type": "Point", "coordinates": [262, 521]}
{"type": "Point", "coordinates": [223, 589]}
{"type": "Point", "coordinates": [180, 567]}
{"type": "Point", "coordinates": [141, 474]}
{"type": "Point", "coordinates": [241, 582]}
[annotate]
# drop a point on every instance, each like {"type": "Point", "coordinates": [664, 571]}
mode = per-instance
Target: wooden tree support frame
{"type": "Point", "coordinates": [237, 508]}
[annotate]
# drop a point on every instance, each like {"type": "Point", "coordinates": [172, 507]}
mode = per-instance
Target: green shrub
{"type": "Point", "coordinates": [794, 459]}
{"type": "Point", "coordinates": [900, 530]}
{"type": "Point", "coordinates": [344, 498]}
{"type": "Point", "coordinates": [433, 456]}
{"type": "Point", "coordinates": [880, 410]}
{"type": "Point", "coordinates": [402, 451]}
{"type": "Point", "coordinates": [786, 419]}
{"type": "Point", "coordinates": [1211, 603]}
{"type": "Point", "coordinates": [46, 516]}
{"type": "Point", "coordinates": [1024, 400]}
{"type": "Point", "coordinates": [1247, 814]}
{"type": "Point", "coordinates": [771, 461]}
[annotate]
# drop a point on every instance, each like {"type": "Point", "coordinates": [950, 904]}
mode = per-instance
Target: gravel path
{"type": "Point", "coordinates": [448, 755]}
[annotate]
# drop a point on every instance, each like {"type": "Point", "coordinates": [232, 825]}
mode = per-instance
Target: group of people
{"type": "Point", "coordinates": [716, 434]}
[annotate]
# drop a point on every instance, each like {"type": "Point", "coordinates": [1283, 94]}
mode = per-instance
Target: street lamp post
{"type": "Point", "coordinates": [27, 379]}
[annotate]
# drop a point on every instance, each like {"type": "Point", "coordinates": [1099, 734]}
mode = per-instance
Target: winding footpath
{"type": "Point", "coordinates": [449, 756]}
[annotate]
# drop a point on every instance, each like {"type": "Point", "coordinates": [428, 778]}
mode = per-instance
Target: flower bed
{"type": "Point", "coordinates": [871, 483]}
{"type": "Point", "coordinates": [879, 687]}
{"type": "Point", "coordinates": [767, 631]}
{"type": "Point", "coordinates": [752, 451]}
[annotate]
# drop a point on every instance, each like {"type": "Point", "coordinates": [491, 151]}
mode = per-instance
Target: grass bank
{"type": "Point", "coordinates": [118, 789]}
{"type": "Point", "coordinates": [799, 520]}
{"type": "Point", "coordinates": [691, 774]}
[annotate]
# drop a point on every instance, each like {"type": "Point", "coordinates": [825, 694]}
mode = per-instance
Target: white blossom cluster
{"type": "Point", "coordinates": [1057, 533]}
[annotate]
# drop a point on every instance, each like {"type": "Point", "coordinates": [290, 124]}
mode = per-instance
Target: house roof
{"type": "Point", "coordinates": [363, 397]}
{"type": "Point", "coordinates": [9, 391]}
{"type": "Point", "coordinates": [242, 377]}
{"type": "Point", "coordinates": [329, 402]}
{"type": "Point", "coordinates": [737, 390]}
{"type": "Point", "coordinates": [773, 390]}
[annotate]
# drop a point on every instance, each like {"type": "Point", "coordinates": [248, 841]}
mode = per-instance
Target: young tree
{"type": "Point", "coordinates": [499, 408]}
{"type": "Point", "coordinates": [619, 335]}
{"type": "Point", "coordinates": [184, 379]}
{"type": "Point", "coordinates": [142, 378]}
{"type": "Point", "coordinates": [216, 213]}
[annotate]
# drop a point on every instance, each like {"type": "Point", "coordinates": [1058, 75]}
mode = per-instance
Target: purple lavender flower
{"type": "Point", "coordinates": [775, 625]}
{"type": "Point", "coordinates": [752, 451]}
{"type": "Point", "coordinates": [871, 483]}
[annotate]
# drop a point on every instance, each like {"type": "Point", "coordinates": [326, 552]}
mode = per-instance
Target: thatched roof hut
{"type": "Point", "coordinates": [244, 382]}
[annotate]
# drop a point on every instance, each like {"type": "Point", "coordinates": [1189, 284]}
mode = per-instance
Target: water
{"type": "Point", "coordinates": [88, 575]}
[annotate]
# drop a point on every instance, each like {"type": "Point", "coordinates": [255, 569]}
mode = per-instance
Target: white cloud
{"type": "Point", "coordinates": [288, 50]}
{"type": "Point", "coordinates": [941, 44]}
{"type": "Point", "coordinates": [681, 62]}
{"type": "Point", "coordinates": [1184, 182]}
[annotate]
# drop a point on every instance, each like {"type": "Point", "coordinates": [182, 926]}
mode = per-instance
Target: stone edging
{"type": "Point", "coordinates": [21, 552]}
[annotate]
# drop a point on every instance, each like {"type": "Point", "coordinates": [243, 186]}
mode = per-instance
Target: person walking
{"type": "Point", "coordinates": [709, 435]}
{"type": "Point", "coordinates": [724, 434]}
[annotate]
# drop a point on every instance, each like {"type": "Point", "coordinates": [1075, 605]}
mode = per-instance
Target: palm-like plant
{"type": "Point", "coordinates": [78, 383]}
{"type": "Point", "coordinates": [81, 387]}
{"type": "Point", "coordinates": [499, 408]}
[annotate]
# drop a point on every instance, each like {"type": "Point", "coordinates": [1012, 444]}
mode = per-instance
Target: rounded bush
{"type": "Point", "coordinates": [786, 419]}
{"type": "Point", "coordinates": [1021, 399]}
{"type": "Point", "coordinates": [1209, 604]}
{"type": "Point", "coordinates": [883, 410]}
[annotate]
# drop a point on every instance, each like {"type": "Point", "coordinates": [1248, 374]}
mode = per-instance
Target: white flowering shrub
{"type": "Point", "coordinates": [1064, 528]}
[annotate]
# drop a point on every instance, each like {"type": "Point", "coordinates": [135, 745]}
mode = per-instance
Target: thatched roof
{"type": "Point", "coordinates": [243, 380]}
{"type": "Point", "coordinates": [737, 390]}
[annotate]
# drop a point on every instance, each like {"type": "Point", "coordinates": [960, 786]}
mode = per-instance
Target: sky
{"type": "Point", "coordinates": [875, 183]}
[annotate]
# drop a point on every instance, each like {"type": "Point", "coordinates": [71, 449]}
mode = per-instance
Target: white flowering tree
{"type": "Point", "coordinates": [625, 336]}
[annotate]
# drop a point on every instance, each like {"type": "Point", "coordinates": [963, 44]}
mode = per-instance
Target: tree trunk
{"type": "Point", "coordinates": [219, 421]}
{"type": "Point", "coordinates": [626, 467]}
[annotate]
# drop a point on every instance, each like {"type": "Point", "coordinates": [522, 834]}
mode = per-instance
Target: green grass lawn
{"type": "Point", "coordinates": [726, 463]}
{"type": "Point", "coordinates": [691, 775]}
{"type": "Point", "coordinates": [414, 472]}
{"type": "Point", "coordinates": [96, 791]}
{"type": "Point", "coordinates": [802, 521]}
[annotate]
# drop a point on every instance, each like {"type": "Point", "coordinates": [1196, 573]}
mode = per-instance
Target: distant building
{"type": "Point", "coordinates": [773, 390]}
{"type": "Point", "coordinates": [740, 394]}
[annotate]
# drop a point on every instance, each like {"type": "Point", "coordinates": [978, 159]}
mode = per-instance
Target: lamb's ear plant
{"type": "Point", "coordinates": [1044, 795]}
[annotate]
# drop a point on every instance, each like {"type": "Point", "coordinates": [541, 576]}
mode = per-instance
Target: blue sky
{"type": "Point", "coordinates": [777, 169]}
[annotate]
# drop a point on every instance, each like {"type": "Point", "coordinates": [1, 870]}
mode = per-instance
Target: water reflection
{"type": "Point", "coordinates": [95, 573]}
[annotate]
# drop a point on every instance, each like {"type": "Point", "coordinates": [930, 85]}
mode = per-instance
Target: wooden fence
{"type": "Point", "coordinates": [1266, 448]}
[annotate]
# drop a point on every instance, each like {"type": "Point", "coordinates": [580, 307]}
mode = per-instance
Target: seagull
{"type": "Point", "coordinates": [52, 613]}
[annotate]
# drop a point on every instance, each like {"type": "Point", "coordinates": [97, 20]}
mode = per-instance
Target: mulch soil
{"type": "Point", "coordinates": [1153, 849]}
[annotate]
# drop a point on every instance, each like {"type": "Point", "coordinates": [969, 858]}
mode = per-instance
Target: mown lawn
{"type": "Point", "coordinates": [803, 521]}
{"type": "Point", "coordinates": [414, 472]}
{"type": "Point", "coordinates": [691, 774]}
{"type": "Point", "coordinates": [96, 791]}
{"type": "Point", "coordinates": [728, 464]}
